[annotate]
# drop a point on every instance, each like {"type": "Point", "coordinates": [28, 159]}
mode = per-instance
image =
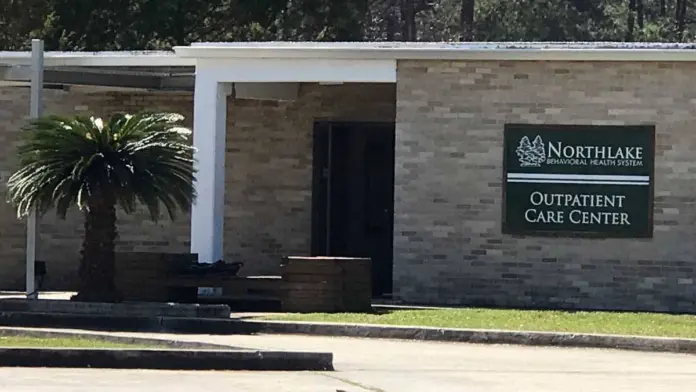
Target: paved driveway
{"type": "Point", "coordinates": [393, 366]}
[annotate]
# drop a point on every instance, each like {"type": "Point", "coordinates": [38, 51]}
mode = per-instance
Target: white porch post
{"type": "Point", "coordinates": [209, 128]}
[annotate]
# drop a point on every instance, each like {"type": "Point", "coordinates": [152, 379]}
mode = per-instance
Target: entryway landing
{"type": "Point", "coordinates": [353, 195]}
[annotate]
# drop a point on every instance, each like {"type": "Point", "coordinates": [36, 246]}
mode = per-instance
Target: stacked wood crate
{"type": "Point", "coordinates": [326, 284]}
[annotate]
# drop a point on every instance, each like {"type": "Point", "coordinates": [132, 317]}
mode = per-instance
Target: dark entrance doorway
{"type": "Point", "coordinates": [353, 195]}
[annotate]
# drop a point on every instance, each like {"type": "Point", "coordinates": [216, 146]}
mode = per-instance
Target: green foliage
{"type": "Point", "coordinates": [157, 24]}
{"type": "Point", "coordinates": [543, 20]}
{"type": "Point", "coordinates": [20, 21]}
{"type": "Point", "coordinates": [92, 25]}
{"type": "Point", "coordinates": [143, 158]}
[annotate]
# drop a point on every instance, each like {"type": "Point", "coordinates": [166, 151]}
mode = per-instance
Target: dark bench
{"type": "Point", "coordinates": [168, 277]}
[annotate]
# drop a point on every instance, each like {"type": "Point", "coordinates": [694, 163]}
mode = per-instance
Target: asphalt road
{"type": "Point", "coordinates": [393, 366]}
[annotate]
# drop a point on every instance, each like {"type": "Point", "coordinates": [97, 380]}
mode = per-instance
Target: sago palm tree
{"type": "Point", "coordinates": [143, 159]}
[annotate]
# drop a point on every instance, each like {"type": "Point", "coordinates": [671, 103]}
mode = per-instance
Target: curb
{"type": "Point", "coordinates": [232, 326]}
{"type": "Point", "coordinates": [80, 321]}
{"type": "Point", "coordinates": [481, 336]}
{"type": "Point", "coordinates": [213, 326]}
{"type": "Point", "coordinates": [123, 309]}
{"type": "Point", "coordinates": [166, 359]}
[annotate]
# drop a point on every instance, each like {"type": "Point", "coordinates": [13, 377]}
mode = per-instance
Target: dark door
{"type": "Point", "coordinates": [353, 195]}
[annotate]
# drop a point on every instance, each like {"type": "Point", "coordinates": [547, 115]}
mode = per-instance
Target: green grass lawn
{"type": "Point", "coordinates": [67, 342]}
{"type": "Point", "coordinates": [646, 324]}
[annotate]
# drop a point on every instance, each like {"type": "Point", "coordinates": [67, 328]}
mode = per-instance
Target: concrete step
{"type": "Point", "coordinates": [246, 303]}
{"type": "Point", "coordinates": [124, 309]}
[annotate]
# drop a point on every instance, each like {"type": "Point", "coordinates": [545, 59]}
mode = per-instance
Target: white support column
{"type": "Point", "coordinates": [209, 128]}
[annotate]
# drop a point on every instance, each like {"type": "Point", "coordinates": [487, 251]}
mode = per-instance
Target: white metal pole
{"type": "Point", "coordinates": [37, 72]}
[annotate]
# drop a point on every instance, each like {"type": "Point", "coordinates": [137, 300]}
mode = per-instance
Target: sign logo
{"type": "Point", "coordinates": [531, 154]}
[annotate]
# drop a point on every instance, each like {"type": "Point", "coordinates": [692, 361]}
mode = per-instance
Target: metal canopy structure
{"type": "Point", "coordinates": [35, 111]}
{"type": "Point", "coordinates": [163, 78]}
{"type": "Point", "coordinates": [158, 71]}
{"type": "Point", "coordinates": [149, 71]}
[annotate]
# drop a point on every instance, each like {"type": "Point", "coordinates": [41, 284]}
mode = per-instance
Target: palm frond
{"type": "Point", "coordinates": [144, 158]}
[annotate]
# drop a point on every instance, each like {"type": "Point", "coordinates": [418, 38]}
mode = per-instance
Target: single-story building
{"type": "Point", "coordinates": [524, 175]}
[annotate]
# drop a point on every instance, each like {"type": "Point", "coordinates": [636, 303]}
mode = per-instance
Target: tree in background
{"type": "Point", "coordinates": [22, 20]}
{"type": "Point", "coordinates": [157, 24]}
{"type": "Point", "coordinates": [466, 20]}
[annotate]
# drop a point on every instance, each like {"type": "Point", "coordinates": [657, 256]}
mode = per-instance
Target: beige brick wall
{"type": "Point", "coordinates": [268, 192]}
{"type": "Point", "coordinates": [269, 160]}
{"type": "Point", "coordinates": [448, 242]}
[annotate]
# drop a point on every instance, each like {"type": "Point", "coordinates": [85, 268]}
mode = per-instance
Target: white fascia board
{"type": "Point", "coordinates": [362, 52]}
{"type": "Point", "coordinates": [99, 59]}
{"type": "Point", "coordinates": [279, 70]}
{"type": "Point", "coordinates": [267, 91]}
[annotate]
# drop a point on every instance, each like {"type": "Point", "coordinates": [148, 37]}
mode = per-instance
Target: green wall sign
{"type": "Point", "coordinates": [578, 180]}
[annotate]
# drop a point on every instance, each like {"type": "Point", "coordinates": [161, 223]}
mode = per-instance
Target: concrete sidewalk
{"type": "Point", "coordinates": [63, 295]}
{"type": "Point", "coordinates": [393, 366]}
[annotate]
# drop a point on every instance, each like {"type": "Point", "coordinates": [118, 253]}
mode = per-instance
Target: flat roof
{"type": "Point", "coordinates": [495, 51]}
{"type": "Point", "coordinates": [500, 51]}
{"type": "Point", "coordinates": [492, 45]}
{"type": "Point", "coordinates": [100, 59]}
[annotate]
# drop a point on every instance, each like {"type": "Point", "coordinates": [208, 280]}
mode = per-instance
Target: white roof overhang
{"type": "Point", "coordinates": [442, 51]}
